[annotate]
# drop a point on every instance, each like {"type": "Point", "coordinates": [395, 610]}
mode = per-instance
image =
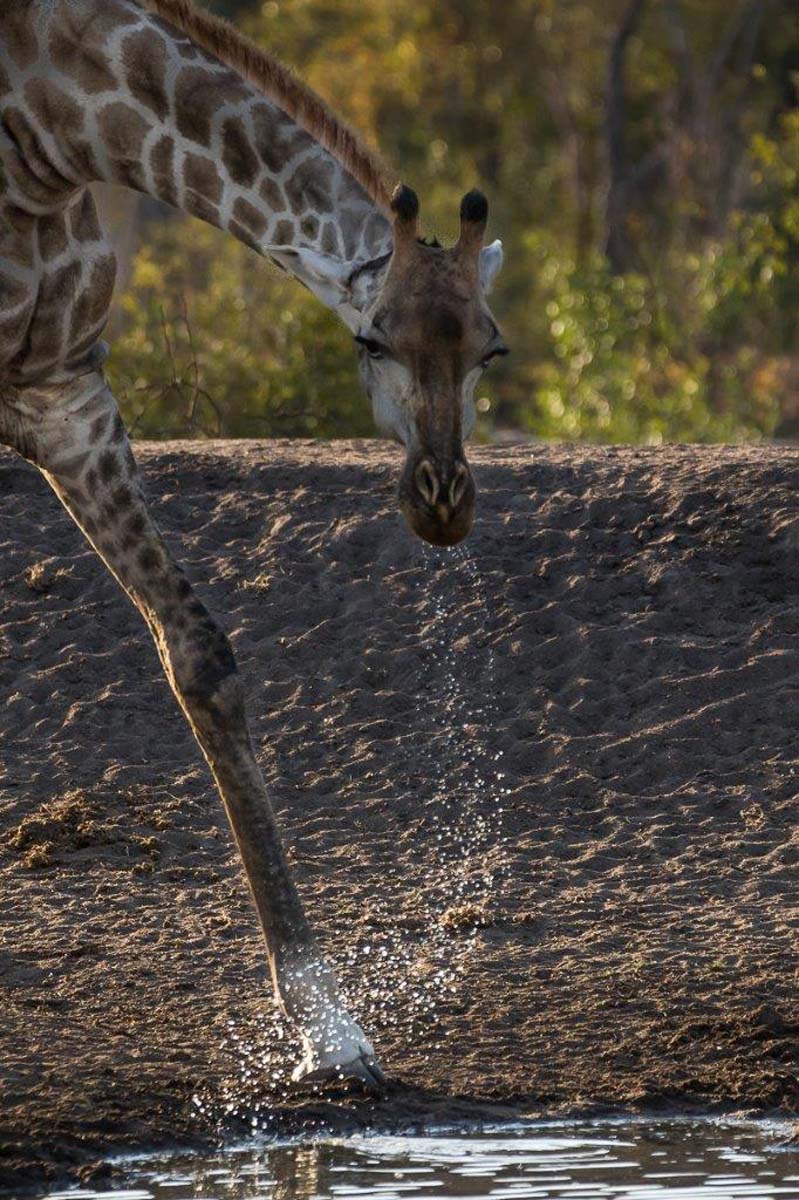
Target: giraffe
{"type": "Point", "coordinates": [167, 100]}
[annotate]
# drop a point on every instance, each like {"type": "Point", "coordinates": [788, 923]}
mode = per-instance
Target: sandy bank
{"type": "Point", "coordinates": [614, 662]}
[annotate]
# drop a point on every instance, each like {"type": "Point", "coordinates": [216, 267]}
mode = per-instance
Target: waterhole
{"type": "Point", "coordinates": [632, 1160]}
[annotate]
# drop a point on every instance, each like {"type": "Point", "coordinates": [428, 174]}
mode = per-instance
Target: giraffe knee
{"type": "Point", "coordinates": [207, 677]}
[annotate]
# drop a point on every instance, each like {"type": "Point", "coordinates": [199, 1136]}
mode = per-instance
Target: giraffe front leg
{"type": "Point", "coordinates": [79, 443]}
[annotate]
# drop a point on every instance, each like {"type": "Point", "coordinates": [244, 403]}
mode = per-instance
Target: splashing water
{"type": "Point", "coordinates": [403, 979]}
{"type": "Point", "coordinates": [468, 840]}
{"type": "Point", "coordinates": [397, 979]}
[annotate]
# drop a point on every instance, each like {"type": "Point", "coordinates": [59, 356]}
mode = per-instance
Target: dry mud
{"type": "Point", "coordinates": [613, 662]}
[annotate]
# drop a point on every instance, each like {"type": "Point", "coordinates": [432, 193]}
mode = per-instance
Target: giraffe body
{"type": "Point", "coordinates": [110, 90]}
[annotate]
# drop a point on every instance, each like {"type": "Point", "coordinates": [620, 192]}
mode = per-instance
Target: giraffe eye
{"type": "Point", "coordinates": [372, 348]}
{"type": "Point", "coordinates": [495, 353]}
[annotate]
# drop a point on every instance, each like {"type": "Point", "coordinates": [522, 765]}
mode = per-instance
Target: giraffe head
{"type": "Point", "coordinates": [423, 341]}
{"type": "Point", "coordinates": [424, 335]}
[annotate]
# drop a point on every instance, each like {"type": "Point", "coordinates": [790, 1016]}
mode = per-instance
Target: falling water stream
{"type": "Point", "coordinates": [461, 782]}
{"type": "Point", "coordinates": [404, 980]}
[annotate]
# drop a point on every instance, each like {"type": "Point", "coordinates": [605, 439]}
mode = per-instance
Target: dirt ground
{"type": "Point", "coordinates": [612, 661]}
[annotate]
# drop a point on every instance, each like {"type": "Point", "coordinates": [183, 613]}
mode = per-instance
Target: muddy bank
{"type": "Point", "coordinates": [614, 663]}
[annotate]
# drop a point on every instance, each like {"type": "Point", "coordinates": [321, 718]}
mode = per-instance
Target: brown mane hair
{"type": "Point", "coordinates": [280, 84]}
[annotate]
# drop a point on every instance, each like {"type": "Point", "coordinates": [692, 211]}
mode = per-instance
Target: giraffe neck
{"type": "Point", "coordinates": [116, 94]}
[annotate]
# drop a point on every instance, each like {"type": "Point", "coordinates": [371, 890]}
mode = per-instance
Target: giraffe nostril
{"type": "Point", "coordinates": [458, 485]}
{"type": "Point", "coordinates": [427, 481]}
{"type": "Point", "coordinates": [438, 503]}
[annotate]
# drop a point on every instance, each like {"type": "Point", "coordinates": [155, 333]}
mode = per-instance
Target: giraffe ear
{"type": "Point", "coordinates": [491, 259]}
{"type": "Point", "coordinates": [323, 274]}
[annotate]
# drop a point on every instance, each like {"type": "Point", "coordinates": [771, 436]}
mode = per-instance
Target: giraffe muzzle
{"type": "Point", "coordinates": [437, 499]}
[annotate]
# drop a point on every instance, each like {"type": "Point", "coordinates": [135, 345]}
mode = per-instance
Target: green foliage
{"type": "Point", "coordinates": [693, 342]}
{"type": "Point", "coordinates": [216, 343]}
{"type": "Point", "coordinates": [628, 366]}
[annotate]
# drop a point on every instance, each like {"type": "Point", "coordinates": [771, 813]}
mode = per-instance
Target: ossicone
{"type": "Point", "coordinates": [404, 203]}
{"type": "Point", "coordinates": [474, 208]}
{"type": "Point", "coordinates": [405, 207]}
{"type": "Point", "coordinates": [474, 218]}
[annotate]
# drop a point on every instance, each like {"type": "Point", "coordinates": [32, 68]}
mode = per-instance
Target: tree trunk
{"type": "Point", "coordinates": [617, 242]}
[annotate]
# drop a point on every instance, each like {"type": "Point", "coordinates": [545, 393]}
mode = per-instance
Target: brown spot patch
{"type": "Point", "coordinates": [123, 130]}
{"type": "Point", "coordinates": [101, 285]}
{"type": "Point", "coordinates": [98, 428]}
{"type": "Point", "coordinates": [17, 236]}
{"type": "Point", "coordinates": [149, 559]}
{"type": "Point", "coordinates": [284, 233]}
{"type": "Point", "coordinates": [277, 139]}
{"type": "Point", "coordinates": [329, 240]}
{"type": "Point", "coordinates": [13, 291]}
{"type": "Point", "coordinates": [81, 155]}
{"type": "Point", "coordinates": [57, 112]}
{"type": "Point", "coordinates": [250, 216]}
{"type": "Point", "coordinates": [122, 497]}
{"type": "Point", "coordinates": [18, 35]}
{"type": "Point", "coordinates": [144, 59]}
{"type": "Point", "coordinates": [272, 193]}
{"type": "Point", "coordinates": [118, 432]}
{"type": "Point", "coordinates": [52, 236]}
{"type": "Point", "coordinates": [199, 94]}
{"type": "Point", "coordinates": [201, 176]}
{"type": "Point", "coordinates": [83, 220]}
{"type": "Point", "coordinates": [136, 525]}
{"type": "Point", "coordinates": [162, 164]}
{"type": "Point", "coordinates": [108, 466]}
{"type": "Point", "coordinates": [237, 153]}
{"type": "Point", "coordinates": [311, 186]}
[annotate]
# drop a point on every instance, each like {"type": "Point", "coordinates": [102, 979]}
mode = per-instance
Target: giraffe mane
{"type": "Point", "coordinates": [279, 83]}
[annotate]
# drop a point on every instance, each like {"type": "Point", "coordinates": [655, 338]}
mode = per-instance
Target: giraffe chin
{"type": "Point", "coordinates": [439, 524]}
{"type": "Point", "coordinates": [440, 529]}
{"type": "Point", "coordinates": [437, 496]}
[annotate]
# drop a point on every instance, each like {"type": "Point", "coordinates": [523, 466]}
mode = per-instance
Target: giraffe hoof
{"type": "Point", "coordinates": [361, 1073]}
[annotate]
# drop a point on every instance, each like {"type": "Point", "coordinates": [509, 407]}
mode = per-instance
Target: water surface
{"type": "Point", "coordinates": [588, 1160]}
